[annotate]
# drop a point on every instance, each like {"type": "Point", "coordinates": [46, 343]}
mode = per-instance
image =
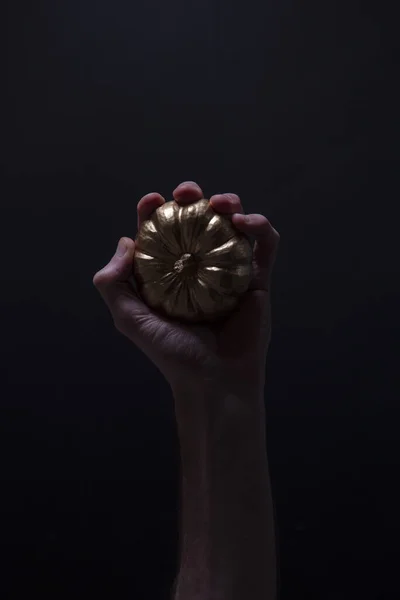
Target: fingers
{"type": "Point", "coordinates": [265, 247]}
{"type": "Point", "coordinates": [226, 203]}
{"type": "Point", "coordinates": [187, 192]}
{"type": "Point", "coordinates": [147, 205]}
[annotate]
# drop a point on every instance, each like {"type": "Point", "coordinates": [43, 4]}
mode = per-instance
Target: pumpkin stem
{"type": "Point", "coordinates": [186, 264]}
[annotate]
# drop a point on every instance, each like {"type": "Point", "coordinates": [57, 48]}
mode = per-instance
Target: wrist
{"type": "Point", "coordinates": [216, 405]}
{"type": "Point", "coordinates": [243, 384]}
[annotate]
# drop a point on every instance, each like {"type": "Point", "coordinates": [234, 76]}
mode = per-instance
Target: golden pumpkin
{"type": "Point", "coordinates": [191, 263]}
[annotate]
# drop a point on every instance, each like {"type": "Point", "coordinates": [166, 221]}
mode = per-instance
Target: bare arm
{"type": "Point", "coordinates": [227, 532]}
{"type": "Point", "coordinates": [227, 537]}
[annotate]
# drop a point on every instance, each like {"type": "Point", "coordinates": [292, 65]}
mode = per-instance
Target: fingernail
{"type": "Point", "coordinates": [122, 247]}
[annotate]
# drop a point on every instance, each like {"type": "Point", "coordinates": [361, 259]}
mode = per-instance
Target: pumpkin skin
{"type": "Point", "coordinates": [191, 263]}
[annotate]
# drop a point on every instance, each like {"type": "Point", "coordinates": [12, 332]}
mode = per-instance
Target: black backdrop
{"type": "Point", "coordinates": [293, 106]}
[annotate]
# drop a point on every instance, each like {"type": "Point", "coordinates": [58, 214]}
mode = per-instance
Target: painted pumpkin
{"type": "Point", "coordinates": [190, 262]}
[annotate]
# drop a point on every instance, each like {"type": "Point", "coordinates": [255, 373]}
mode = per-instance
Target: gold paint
{"type": "Point", "coordinates": [191, 263]}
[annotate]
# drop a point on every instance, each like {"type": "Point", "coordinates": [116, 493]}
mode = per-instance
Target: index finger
{"type": "Point", "coordinates": [147, 205]}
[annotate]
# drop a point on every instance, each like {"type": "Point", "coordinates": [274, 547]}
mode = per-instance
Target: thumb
{"type": "Point", "coordinates": [114, 285]}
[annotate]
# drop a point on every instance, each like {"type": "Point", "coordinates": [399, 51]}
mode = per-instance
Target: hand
{"type": "Point", "coordinates": [233, 349]}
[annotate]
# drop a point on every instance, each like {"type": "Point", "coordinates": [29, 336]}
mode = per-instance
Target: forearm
{"type": "Point", "coordinates": [227, 530]}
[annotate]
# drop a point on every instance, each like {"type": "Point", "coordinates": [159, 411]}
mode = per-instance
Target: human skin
{"type": "Point", "coordinates": [216, 373]}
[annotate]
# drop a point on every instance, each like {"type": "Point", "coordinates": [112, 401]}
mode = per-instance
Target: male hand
{"type": "Point", "coordinates": [232, 350]}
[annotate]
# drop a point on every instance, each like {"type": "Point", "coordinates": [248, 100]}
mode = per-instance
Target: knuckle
{"type": "Point", "coordinates": [120, 318]}
{"type": "Point", "coordinates": [232, 197]}
{"type": "Point", "coordinates": [98, 279]}
{"type": "Point", "coordinates": [109, 274]}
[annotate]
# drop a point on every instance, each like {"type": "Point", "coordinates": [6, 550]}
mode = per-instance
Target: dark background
{"type": "Point", "coordinates": [293, 106]}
